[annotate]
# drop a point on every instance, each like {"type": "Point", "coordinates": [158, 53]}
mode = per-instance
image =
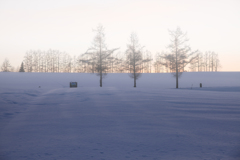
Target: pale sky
{"type": "Point", "coordinates": [66, 25]}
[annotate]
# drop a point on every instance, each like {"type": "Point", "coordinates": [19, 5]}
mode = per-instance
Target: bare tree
{"type": "Point", "coordinates": [114, 62]}
{"type": "Point", "coordinates": [157, 64]}
{"type": "Point", "coordinates": [119, 63]}
{"type": "Point", "coordinates": [179, 54]}
{"type": "Point", "coordinates": [193, 66]}
{"type": "Point", "coordinates": [217, 63]}
{"type": "Point", "coordinates": [197, 64]}
{"type": "Point", "coordinates": [211, 61]}
{"type": "Point", "coordinates": [147, 65]}
{"type": "Point", "coordinates": [134, 58]}
{"type": "Point", "coordinates": [6, 67]}
{"type": "Point", "coordinates": [28, 61]}
{"type": "Point", "coordinates": [98, 55]}
{"type": "Point", "coordinates": [206, 61]}
{"type": "Point", "coordinates": [200, 62]}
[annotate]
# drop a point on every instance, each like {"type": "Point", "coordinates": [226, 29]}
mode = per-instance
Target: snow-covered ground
{"type": "Point", "coordinates": [117, 121]}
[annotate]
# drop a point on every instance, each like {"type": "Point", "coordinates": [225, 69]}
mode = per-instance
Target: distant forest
{"type": "Point", "coordinates": [114, 61]}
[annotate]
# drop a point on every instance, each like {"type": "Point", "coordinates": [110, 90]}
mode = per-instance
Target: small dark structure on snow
{"type": "Point", "coordinates": [73, 84]}
{"type": "Point", "coordinates": [200, 85]}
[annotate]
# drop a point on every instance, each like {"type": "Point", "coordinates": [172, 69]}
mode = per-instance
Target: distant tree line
{"type": "Point", "coordinates": [135, 60]}
{"type": "Point", "coordinates": [115, 62]}
{"type": "Point", "coordinates": [48, 61]}
{"type": "Point", "coordinates": [57, 61]}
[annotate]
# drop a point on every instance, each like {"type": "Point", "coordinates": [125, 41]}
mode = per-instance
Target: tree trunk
{"type": "Point", "coordinates": [177, 79]}
{"type": "Point", "coordinates": [100, 78]}
{"type": "Point", "coordinates": [101, 65]}
{"type": "Point", "coordinates": [176, 69]}
{"type": "Point", "coordinates": [135, 81]}
{"type": "Point", "coordinates": [134, 69]}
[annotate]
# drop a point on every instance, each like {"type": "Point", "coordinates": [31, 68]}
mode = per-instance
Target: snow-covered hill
{"type": "Point", "coordinates": [117, 121]}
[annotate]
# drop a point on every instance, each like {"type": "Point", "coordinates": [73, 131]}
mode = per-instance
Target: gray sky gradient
{"type": "Point", "coordinates": [66, 25]}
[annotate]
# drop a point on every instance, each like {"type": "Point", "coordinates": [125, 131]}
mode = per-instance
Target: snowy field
{"type": "Point", "coordinates": [152, 122]}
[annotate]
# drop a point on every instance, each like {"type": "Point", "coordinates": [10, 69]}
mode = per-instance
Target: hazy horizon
{"type": "Point", "coordinates": [67, 26]}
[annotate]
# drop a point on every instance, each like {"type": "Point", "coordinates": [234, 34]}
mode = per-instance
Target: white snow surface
{"type": "Point", "coordinates": [42, 118]}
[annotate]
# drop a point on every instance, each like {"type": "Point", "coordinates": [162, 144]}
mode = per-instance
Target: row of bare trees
{"type": "Point", "coordinates": [203, 62]}
{"type": "Point", "coordinates": [114, 61]}
{"type": "Point", "coordinates": [47, 61]}
{"type": "Point", "coordinates": [103, 60]}
{"type": "Point", "coordinates": [135, 60]}
{"type": "Point", "coordinates": [56, 61]}
{"type": "Point", "coordinates": [97, 58]}
{"type": "Point", "coordinates": [208, 62]}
